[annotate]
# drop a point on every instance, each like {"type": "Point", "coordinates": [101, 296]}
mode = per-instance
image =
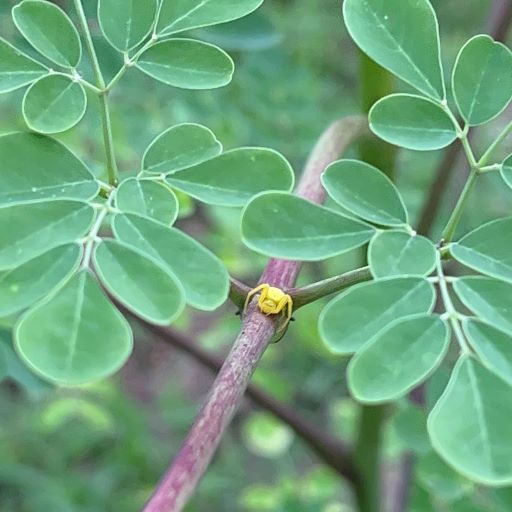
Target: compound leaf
{"type": "Point", "coordinates": [355, 317]}
{"type": "Point", "coordinates": [180, 147]}
{"type": "Point", "coordinates": [395, 253]}
{"type": "Point", "coordinates": [75, 337]}
{"type": "Point", "coordinates": [187, 64]}
{"type": "Point", "coordinates": [138, 282]}
{"type": "Point", "coordinates": [286, 226]}
{"type": "Point", "coordinates": [402, 36]}
{"type": "Point", "coordinates": [398, 359]}
{"type": "Point", "coordinates": [482, 79]}
{"type": "Point", "coordinates": [470, 425]}
{"type": "Point", "coordinates": [234, 177]}
{"type": "Point", "coordinates": [202, 275]}
{"type": "Point", "coordinates": [412, 122]}
{"type": "Point", "coordinates": [49, 30]}
{"type": "Point", "coordinates": [54, 104]}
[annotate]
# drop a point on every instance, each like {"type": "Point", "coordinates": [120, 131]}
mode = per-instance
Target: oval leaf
{"type": "Point", "coordinates": [126, 23]}
{"type": "Point", "coordinates": [147, 199]}
{"type": "Point", "coordinates": [402, 36]}
{"type": "Point", "coordinates": [395, 253]}
{"type": "Point", "coordinates": [365, 191]}
{"type": "Point", "coordinates": [234, 177]}
{"type": "Point", "coordinates": [179, 15]}
{"type": "Point", "coordinates": [30, 230]}
{"type": "Point", "coordinates": [289, 227]}
{"type": "Point", "coordinates": [17, 69]}
{"type": "Point", "coordinates": [482, 79]}
{"type": "Point", "coordinates": [138, 282]}
{"type": "Point", "coordinates": [506, 171]}
{"type": "Point", "coordinates": [28, 283]}
{"type": "Point", "coordinates": [412, 122]}
{"type": "Point", "coordinates": [203, 276]}
{"type": "Point", "coordinates": [187, 64]}
{"type": "Point", "coordinates": [493, 347]}
{"type": "Point", "coordinates": [36, 168]}
{"type": "Point", "coordinates": [54, 104]}
{"type": "Point", "coordinates": [398, 359]}
{"type": "Point", "coordinates": [355, 317]}
{"type": "Point", "coordinates": [49, 30]}
{"type": "Point", "coordinates": [470, 425]}
{"type": "Point", "coordinates": [487, 249]}
{"type": "Point", "coordinates": [488, 298]}
{"type": "Point", "coordinates": [180, 147]}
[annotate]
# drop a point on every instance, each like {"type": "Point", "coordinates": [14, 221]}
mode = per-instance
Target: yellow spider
{"type": "Point", "coordinates": [272, 301]}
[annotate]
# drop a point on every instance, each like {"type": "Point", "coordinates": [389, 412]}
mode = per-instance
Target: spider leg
{"type": "Point", "coordinates": [253, 292]}
{"type": "Point", "coordinates": [281, 305]}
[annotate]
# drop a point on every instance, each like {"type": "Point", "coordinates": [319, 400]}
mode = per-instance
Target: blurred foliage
{"type": "Point", "coordinates": [102, 448]}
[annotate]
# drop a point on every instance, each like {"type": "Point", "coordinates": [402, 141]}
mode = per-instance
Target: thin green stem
{"type": "Point", "coordinates": [501, 137]}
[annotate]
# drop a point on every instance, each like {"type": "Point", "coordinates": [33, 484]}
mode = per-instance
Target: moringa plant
{"type": "Point", "coordinates": [74, 244]}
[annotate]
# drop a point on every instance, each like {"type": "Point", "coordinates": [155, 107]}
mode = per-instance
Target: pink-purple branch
{"type": "Point", "coordinates": [180, 480]}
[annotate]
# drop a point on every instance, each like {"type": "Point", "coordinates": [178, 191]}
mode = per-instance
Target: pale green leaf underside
{"type": "Point", "coordinates": [489, 299]}
{"type": "Point", "coordinates": [126, 23]}
{"type": "Point", "coordinates": [398, 359]}
{"type": "Point", "coordinates": [365, 191]}
{"type": "Point", "coordinates": [179, 147]}
{"type": "Point", "coordinates": [54, 104]}
{"type": "Point", "coordinates": [28, 283]}
{"type": "Point", "coordinates": [412, 122]}
{"type": "Point", "coordinates": [49, 30]}
{"type": "Point", "coordinates": [470, 425]}
{"type": "Point", "coordinates": [286, 226]}
{"type": "Point", "coordinates": [482, 79]}
{"type": "Point", "coordinates": [506, 171]}
{"type": "Point", "coordinates": [202, 275]}
{"type": "Point", "coordinates": [36, 168]}
{"type": "Point", "coordinates": [138, 282]}
{"type": "Point", "coordinates": [30, 230]}
{"type": "Point", "coordinates": [187, 64]}
{"type": "Point", "coordinates": [75, 337]}
{"type": "Point", "coordinates": [493, 347]}
{"type": "Point", "coordinates": [233, 178]}
{"type": "Point", "coordinates": [487, 249]}
{"type": "Point", "coordinates": [147, 199]}
{"type": "Point", "coordinates": [180, 15]}
{"type": "Point", "coordinates": [16, 68]}
{"type": "Point", "coordinates": [402, 36]}
{"type": "Point", "coordinates": [396, 253]}
{"type": "Point", "coordinates": [355, 317]}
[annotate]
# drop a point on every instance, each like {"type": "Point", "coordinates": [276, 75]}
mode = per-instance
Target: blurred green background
{"type": "Point", "coordinates": [103, 447]}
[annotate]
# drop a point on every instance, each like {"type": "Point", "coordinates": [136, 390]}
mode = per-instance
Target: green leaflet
{"type": "Point", "coordinates": [138, 282]}
{"type": "Point", "coordinates": [233, 178]}
{"type": "Point", "coordinates": [54, 104]}
{"type": "Point", "coordinates": [179, 15]}
{"type": "Point", "coordinates": [37, 168]}
{"type": "Point", "coordinates": [16, 68]}
{"type": "Point", "coordinates": [470, 425]}
{"type": "Point", "coordinates": [148, 199]}
{"type": "Point", "coordinates": [32, 229]}
{"type": "Point", "coordinates": [201, 273]}
{"type": "Point", "coordinates": [286, 226]}
{"type": "Point", "coordinates": [395, 253]}
{"type": "Point", "coordinates": [25, 284]}
{"type": "Point", "coordinates": [366, 192]}
{"type": "Point", "coordinates": [506, 171]}
{"type": "Point", "coordinates": [179, 147]}
{"type": "Point", "coordinates": [356, 316]}
{"type": "Point", "coordinates": [402, 36]}
{"type": "Point", "coordinates": [76, 336]}
{"type": "Point", "coordinates": [489, 299]}
{"type": "Point", "coordinates": [49, 30]}
{"type": "Point", "coordinates": [482, 79]}
{"type": "Point", "coordinates": [126, 23]}
{"type": "Point", "coordinates": [412, 122]}
{"type": "Point", "coordinates": [487, 249]}
{"type": "Point", "coordinates": [187, 64]}
{"type": "Point", "coordinates": [398, 359]}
